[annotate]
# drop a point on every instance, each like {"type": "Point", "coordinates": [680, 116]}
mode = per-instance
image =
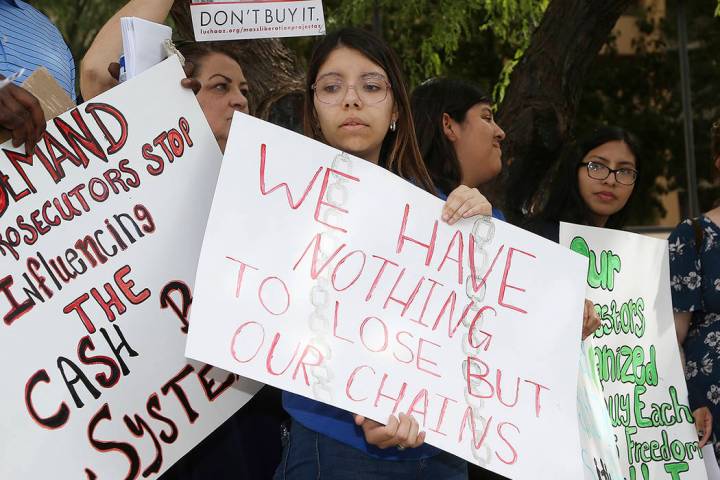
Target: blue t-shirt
{"type": "Point", "coordinates": [28, 39]}
{"type": "Point", "coordinates": [340, 425]}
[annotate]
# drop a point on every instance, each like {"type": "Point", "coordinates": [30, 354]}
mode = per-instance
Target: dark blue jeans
{"type": "Point", "coordinates": [309, 455]}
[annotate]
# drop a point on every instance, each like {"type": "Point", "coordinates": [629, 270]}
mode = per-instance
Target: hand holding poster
{"type": "Point", "coordinates": [330, 277]}
{"type": "Point", "coordinates": [635, 352]}
{"type": "Point", "coordinates": [100, 234]}
{"type": "Point", "coordinates": [228, 20]}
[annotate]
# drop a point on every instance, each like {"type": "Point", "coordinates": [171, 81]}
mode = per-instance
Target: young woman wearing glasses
{"type": "Point", "coordinates": [594, 184]}
{"type": "Point", "coordinates": [356, 101]}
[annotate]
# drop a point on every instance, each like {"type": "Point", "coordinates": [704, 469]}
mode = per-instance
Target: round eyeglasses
{"type": "Point", "coordinates": [370, 89]}
{"type": "Point", "coordinates": [599, 171]}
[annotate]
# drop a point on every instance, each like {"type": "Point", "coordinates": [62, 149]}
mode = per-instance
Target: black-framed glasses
{"type": "Point", "coordinates": [599, 171]}
{"type": "Point", "coordinates": [371, 89]}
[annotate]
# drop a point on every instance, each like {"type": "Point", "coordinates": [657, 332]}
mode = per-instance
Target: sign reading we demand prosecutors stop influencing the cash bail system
{"type": "Point", "coordinates": [330, 277]}
{"type": "Point", "coordinates": [100, 236]}
{"type": "Point", "coordinates": [634, 354]}
{"type": "Point", "coordinates": [228, 20]}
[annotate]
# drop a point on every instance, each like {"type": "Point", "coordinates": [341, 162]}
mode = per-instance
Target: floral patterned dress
{"type": "Point", "coordinates": [695, 279]}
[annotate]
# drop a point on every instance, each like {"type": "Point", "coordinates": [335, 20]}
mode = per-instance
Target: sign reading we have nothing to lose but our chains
{"type": "Point", "coordinates": [330, 277]}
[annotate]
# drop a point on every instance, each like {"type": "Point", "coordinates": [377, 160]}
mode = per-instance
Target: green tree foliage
{"type": "Point", "coordinates": [430, 34]}
{"type": "Point", "coordinates": [704, 31]}
{"type": "Point", "coordinates": [481, 40]}
{"type": "Point", "coordinates": [641, 92]}
{"type": "Point", "coordinates": [79, 20]}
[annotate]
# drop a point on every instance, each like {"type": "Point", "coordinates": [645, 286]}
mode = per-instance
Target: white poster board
{"type": "Point", "coordinates": [100, 235]}
{"type": "Point", "coordinates": [330, 277]}
{"type": "Point", "coordinates": [597, 437]}
{"type": "Point", "coordinates": [636, 355]}
{"type": "Point", "coordinates": [228, 20]}
{"type": "Point", "coordinates": [711, 464]}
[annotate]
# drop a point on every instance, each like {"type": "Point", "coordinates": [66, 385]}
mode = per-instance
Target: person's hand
{"type": "Point", "coordinates": [402, 432]}
{"type": "Point", "coordinates": [591, 320]}
{"type": "Point", "coordinates": [703, 424]}
{"type": "Point", "coordinates": [188, 82]}
{"type": "Point", "coordinates": [114, 70]}
{"type": "Point", "coordinates": [20, 112]}
{"type": "Point", "coordinates": [465, 202]}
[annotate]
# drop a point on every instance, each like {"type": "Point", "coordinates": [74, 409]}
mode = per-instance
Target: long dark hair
{"type": "Point", "coordinates": [565, 203]}
{"type": "Point", "coordinates": [195, 53]}
{"type": "Point", "coordinates": [399, 152]}
{"type": "Point", "coordinates": [429, 101]}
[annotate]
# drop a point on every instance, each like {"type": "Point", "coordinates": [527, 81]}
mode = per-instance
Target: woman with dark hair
{"type": "Point", "coordinates": [594, 183]}
{"type": "Point", "coordinates": [695, 279]}
{"type": "Point", "coordinates": [459, 139]}
{"type": "Point", "coordinates": [356, 101]}
{"type": "Point", "coordinates": [221, 87]}
{"type": "Point", "coordinates": [594, 186]}
{"type": "Point", "coordinates": [460, 144]}
{"type": "Point", "coordinates": [382, 88]}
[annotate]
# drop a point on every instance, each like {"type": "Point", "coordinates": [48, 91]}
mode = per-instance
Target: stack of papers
{"type": "Point", "coordinates": [143, 44]}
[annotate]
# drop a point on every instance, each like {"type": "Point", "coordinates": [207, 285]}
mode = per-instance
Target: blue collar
{"type": "Point", "coordinates": [12, 2]}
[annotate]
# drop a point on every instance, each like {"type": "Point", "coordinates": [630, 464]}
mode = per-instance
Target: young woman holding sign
{"type": "Point", "coordinates": [356, 101]}
{"type": "Point", "coordinates": [594, 186]}
{"type": "Point", "coordinates": [461, 145]}
{"type": "Point", "coordinates": [695, 278]}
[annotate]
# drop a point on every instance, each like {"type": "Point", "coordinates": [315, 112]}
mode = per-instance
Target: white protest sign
{"type": "Point", "coordinates": [100, 235]}
{"type": "Point", "coordinates": [599, 454]}
{"type": "Point", "coordinates": [223, 20]}
{"type": "Point", "coordinates": [330, 277]}
{"type": "Point", "coordinates": [711, 464]}
{"type": "Point", "coordinates": [636, 357]}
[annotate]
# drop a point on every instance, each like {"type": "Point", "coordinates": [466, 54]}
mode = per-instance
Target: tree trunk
{"type": "Point", "coordinates": [276, 81]}
{"type": "Point", "coordinates": [541, 100]}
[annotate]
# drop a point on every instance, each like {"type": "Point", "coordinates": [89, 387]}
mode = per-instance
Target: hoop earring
{"type": "Point", "coordinates": [393, 126]}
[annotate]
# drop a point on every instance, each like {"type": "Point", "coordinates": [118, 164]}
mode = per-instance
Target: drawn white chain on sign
{"type": "Point", "coordinates": [483, 233]}
{"type": "Point", "coordinates": [319, 320]}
